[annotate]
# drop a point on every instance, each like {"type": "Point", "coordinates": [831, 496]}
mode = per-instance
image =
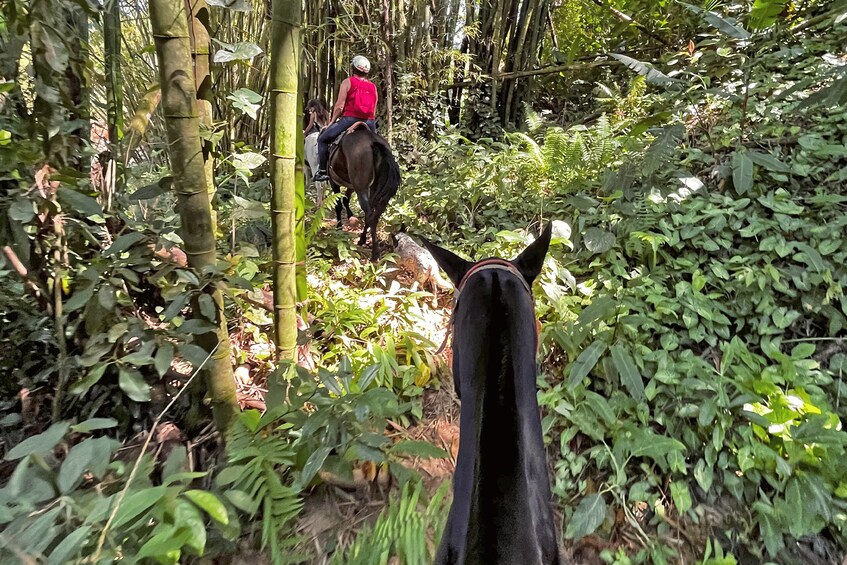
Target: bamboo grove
{"type": "Point", "coordinates": [225, 86]}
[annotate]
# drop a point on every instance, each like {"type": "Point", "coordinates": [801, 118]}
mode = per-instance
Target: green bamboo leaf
{"type": "Point", "coordinates": [586, 362]}
{"type": "Point", "coordinates": [630, 377]}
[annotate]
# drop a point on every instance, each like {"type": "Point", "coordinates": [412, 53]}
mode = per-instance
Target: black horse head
{"type": "Point", "coordinates": [501, 510]}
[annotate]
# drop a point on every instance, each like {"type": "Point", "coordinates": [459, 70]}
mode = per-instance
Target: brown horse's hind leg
{"type": "Point", "coordinates": [364, 202]}
{"type": "Point", "coordinates": [373, 220]}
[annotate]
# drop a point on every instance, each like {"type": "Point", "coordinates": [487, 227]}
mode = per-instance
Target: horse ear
{"type": "Point", "coordinates": [453, 265]}
{"type": "Point", "coordinates": [531, 259]}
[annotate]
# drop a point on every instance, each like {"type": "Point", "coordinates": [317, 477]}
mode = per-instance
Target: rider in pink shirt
{"type": "Point", "coordinates": [356, 102]}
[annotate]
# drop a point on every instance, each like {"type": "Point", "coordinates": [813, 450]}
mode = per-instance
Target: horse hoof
{"type": "Point", "coordinates": [339, 226]}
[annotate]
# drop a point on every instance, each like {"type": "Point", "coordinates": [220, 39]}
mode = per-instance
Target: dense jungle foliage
{"type": "Point", "coordinates": [691, 156]}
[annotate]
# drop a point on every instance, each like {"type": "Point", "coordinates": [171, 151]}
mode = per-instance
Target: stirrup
{"type": "Point", "coordinates": [320, 176]}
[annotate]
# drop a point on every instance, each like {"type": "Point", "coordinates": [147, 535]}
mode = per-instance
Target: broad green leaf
{"type": "Point", "coordinates": [246, 100]}
{"type": "Point", "coordinates": [811, 257]}
{"type": "Point", "coordinates": [765, 13]}
{"type": "Point", "coordinates": [242, 501]}
{"type": "Point", "coordinates": [163, 359]}
{"type": "Point", "coordinates": [106, 297]}
{"type": "Point", "coordinates": [22, 210]}
{"type": "Point", "coordinates": [229, 475]}
{"type": "Point", "coordinates": [124, 242]}
{"type": "Point", "coordinates": [587, 517]}
{"type": "Point", "coordinates": [247, 161]}
{"type": "Point", "coordinates": [154, 190]}
{"type": "Point", "coordinates": [234, 5]}
{"type": "Point", "coordinates": [630, 377]}
{"type": "Point", "coordinates": [601, 308]}
{"type": "Point", "coordinates": [598, 240]}
{"type": "Point", "coordinates": [586, 362]}
{"type": "Point", "coordinates": [79, 202]}
{"type": "Point", "coordinates": [9, 420]}
{"type": "Point", "coordinates": [79, 298]}
{"type": "Point", "coordinates": [314, 464]}
{"type": "Point", "coordinates": [646, 70]}
{"type": "Point", "coordinates": [742, 172]}
{"type": "Point", "coordinates": [418, 448]}
{"type": "Point", "coordinates": [704, 475]}
{"type": "Point", "coordinates": [768, 161]}
{"type": "Point", "coordinates": [75, 464]}
{"type": "Point", "coordinates": [91, 378]}
{"type": "Point", "coordinates": [41, 443]}
{"type": "Point", "coordinates": [681, 496]}
{"type": "Point", "coordinates": [724, 25]}
{"type": "Point", "coordinates": [207, 307]}
{"type": "Point", "coordinates": [92, 424]}
{"type": "Point", "coordinates": [136, 503]}
{"type": "Point", "coordinates": [209, 503]}
{"type": "Point", "coordinates": [134, 385]}
{"type": "Point", "coordinates": [240, 51]}
{"type": "Point", "coordinates": [68, 548]}
{"type": "Point", "coordinates": [164, 543]}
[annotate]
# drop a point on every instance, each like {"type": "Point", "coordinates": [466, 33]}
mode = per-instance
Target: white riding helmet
{"type": "Point", "coordinates": [360, 63]}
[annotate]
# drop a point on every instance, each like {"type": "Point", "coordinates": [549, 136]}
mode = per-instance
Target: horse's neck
{"type": "Point", "coordinates": [501, 469]}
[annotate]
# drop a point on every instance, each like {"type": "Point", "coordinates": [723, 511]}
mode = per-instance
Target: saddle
{"type": "Point", "coordinates": [336, 143]}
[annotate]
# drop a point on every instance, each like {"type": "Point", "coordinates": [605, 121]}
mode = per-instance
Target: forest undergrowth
{"type": "Point", "coordinates": [692, 351]}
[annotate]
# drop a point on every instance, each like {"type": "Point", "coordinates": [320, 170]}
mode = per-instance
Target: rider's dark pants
{"type": "Point", "coordinates": [331, 132]}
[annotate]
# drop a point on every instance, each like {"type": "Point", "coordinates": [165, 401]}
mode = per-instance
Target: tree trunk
{"type": "Point", "coordinates": [285, 55]}
{"type": "Point", "coordinates": [114, 97]}
{"type": "Point", "coordinates": [78, 89]}
{"type": "Point", "coordinates": [169, 22]}
{"type": "Point", "coordinates": [389, 70]}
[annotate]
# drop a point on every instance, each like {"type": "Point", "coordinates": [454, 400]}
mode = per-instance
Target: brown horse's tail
{"type": "Point", "coordinates": [386, 178]}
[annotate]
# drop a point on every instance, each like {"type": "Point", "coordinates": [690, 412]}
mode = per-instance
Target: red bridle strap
{"type": "Point", "coordinates": [487, 265]}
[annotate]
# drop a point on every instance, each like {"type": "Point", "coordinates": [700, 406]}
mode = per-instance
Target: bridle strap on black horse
{"type": "Point", "coordinates": [487, 265]}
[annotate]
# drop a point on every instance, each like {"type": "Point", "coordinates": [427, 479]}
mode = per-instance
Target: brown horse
{"type": "Point", "coordinates": [362, 161]}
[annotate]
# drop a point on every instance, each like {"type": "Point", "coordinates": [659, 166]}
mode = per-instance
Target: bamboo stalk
{"type": "Point", "coordinates": [285, 55]}
{"type": "Point", "coordinates": [114, 92]}
{"type": "Point", "coordinates": [169, 20]}
{"type": "Point", "coordinates": [201, 45]}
